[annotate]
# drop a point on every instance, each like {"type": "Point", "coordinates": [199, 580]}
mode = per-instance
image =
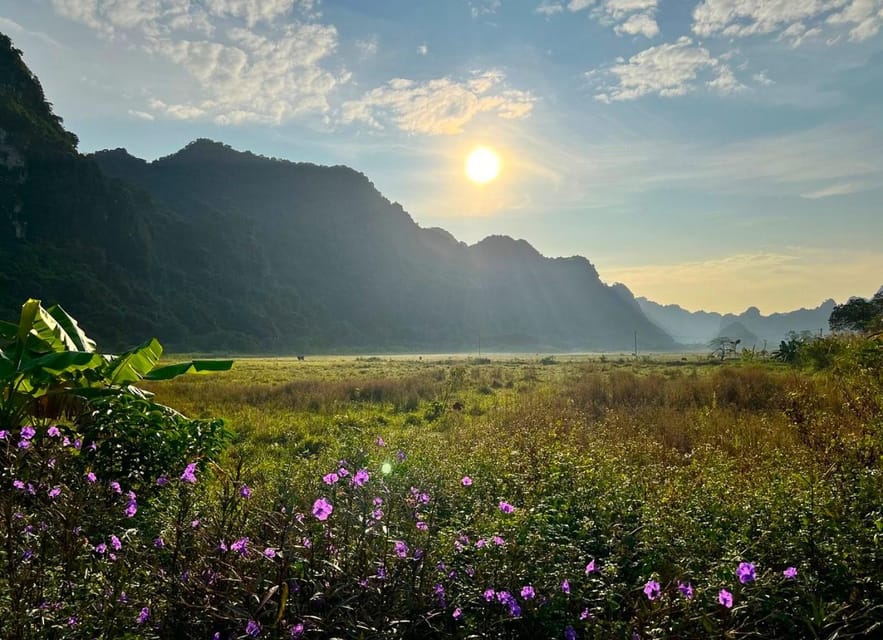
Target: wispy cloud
{"type": "Point", "coordinates": [11, 26]}
{"type": "Point", "coordinates": [438, 107]}
{"type": "Point", "coordinates": [839, 189]}
{"type": "Point", "coordinates": [628, 17]}
{"type": "Point", "coordinates": [793, 20]}
{"type": "Point", "coordinates": [667, 70]}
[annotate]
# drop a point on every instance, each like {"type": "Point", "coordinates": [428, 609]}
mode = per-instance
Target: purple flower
{"type": "Point", "coordinates": [401, 548]}
{"type": "Point", "coordinates": [466, 481]}
{"type": "Point", "coordinates": [101, 548]}
{"type": "Point", "coordinates": [53, 432]}
{"type": "Point", "coordinates": [27, 433]}
{"type": "Point", "coordinates": [73, 621]}
{"type": "Point", "coordinates": [144, 615]}
{"type": "Point", "coordinates": [194, 524]}
{"type": "Point", "coordinates": [489, 594]}
{"type": "Point", "coordinates": [527, 592]}
{"type": "Point", "coordinates": [377, 501]}
{"type": "Point", "coordinates": [132, 506]}
{"type": "Point", "coordinates": [322, 509]}
{"type": "Point", "coordinates": [585, 614]}
{"type": "Point", "coordinates": [27, 554]}
{"type": "Point", "coordinates": [270, 552]}
{"type": "Point", "coordinates": [240, 546]}
{"type": "Point", "coordinates": [189, 475]}
{"type": "Point", "coordinates": [245, 491]}
{"type": "Point", "coordinates": [253, 628]}
{"type": "Point", "coordinates": [115, 487]}
{"type": "Point", "coordinates": [745, 572]}
{"type": "Point", "coordinates": [381, 573]}
{"type": "Point", "coordinates": [652, 590]}
{"type": "Point", "coordinates": [379, 442]}
{"type": "Point", "coordinates": [725, 598]}
{"type": "Point", "coordinates": [458, 613]}
{"type": "Point", "coordinates": [569, 633]}
{"type": "Point", "coordinates": [162, 481]}
{"type": "Point", "coordinates": [400, 455]}
{"type": "Point", "coordinates": [91, 477]}
{"type": "Point", "coordinates": [790, 573]}
{"type": "Point", "coordinates": [497, 540]}
{"type": "Point", "coordinates": [686, 590]}
{"type": "Point", "coordinates": [18, 484]}
{"type": "Point", "coordinates": [123, 597]}
{"type": "Point", "coordinates": [422, 525]}
{"type": "Point", "coordinates": [4, 434]}
{"type": "Point", "coordinates": [377, 514]}
{"type": "Point", "coordinates": [505, 507]}
{"type": "Point", "coordinates": [297, 630]}
{"type": "Point", "coordinates": [24, 444]}
{"type": "Point", "coordinates": [343, 472]}
{"type": "Point", "coordinates": [54, 492]}
{"type": "Point", "coordinates": [159, 543]}
{"type": "Point", "coordinates": [591, 568]}
{"type": "Point", "coordinates": [330, 478]}
{"type": "Point", "coordinates": [361, 477]}
{"type": "Point", "coordinates": [222, 547]}
{"type": "Point", "coordinates": [481, 543]}
{"type": "Point", "coordinates": [115, 543]}
{"type": "Point", "coordinates": [565, 585]}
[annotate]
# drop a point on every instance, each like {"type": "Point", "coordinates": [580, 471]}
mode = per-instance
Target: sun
{"type": "Point", "coordinates": [482, 165]}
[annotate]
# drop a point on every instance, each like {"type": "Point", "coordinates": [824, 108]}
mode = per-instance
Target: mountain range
{"type": "Point", "coordinates": [213, 249]}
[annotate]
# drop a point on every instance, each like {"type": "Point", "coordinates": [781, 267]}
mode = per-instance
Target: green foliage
{"type": "Point", "coordinates": [858, 314]}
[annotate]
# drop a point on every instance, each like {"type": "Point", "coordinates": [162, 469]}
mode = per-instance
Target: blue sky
{"type": "Point", "coordinates": [712, 153]}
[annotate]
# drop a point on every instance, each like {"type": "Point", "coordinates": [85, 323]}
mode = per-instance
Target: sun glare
{"type": "Point", "coordinates": [482, 165]}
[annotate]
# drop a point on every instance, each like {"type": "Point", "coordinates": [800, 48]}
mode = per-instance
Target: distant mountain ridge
{"type": "Point", "coordinates": [216, 249]}
{"type": "Point", "coordinates": [700, 327]}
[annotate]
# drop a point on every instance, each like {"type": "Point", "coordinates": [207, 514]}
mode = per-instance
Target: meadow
{"type": "Point", "coordinates": [502, 497]}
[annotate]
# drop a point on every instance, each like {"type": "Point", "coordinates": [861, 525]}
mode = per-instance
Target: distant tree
{"type": "Point", "coordinates": [789, 349]}
{"type": "Point", "coordinates": [858, 314]}
{"type": "Point", "coordinates": [722, 346]}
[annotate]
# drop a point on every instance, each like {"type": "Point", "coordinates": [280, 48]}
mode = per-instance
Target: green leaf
{"type": "Point", "coordinates": [81, 341]}
{"type": "Point", "coordinates": [8, 330]}
{"type": "Point", "coordinates": [29, 311]}
{"type": "Point", "coordinates": [135, 364]}
{"type": "Point", "coordinates": [64, 362]}
{"type": "Point", "coordinates": [194, 366]}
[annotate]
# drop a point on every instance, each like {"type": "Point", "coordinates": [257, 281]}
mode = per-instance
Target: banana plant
{"type": "Point", "coordinates": [47, 359]}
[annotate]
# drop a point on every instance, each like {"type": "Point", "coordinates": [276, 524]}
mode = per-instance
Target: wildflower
{"type": "Point", "coordinates": [466, 481]}
{"type": "Point", "coordinates": [422, 526]}
{"type": "Point", "coordinates": [27, 433]}
{"type": "Point", "coordinates": [569, 633]}
{"type": "Point", "coordinates": [253, 628]}
{"type": "Point", "coordinates": [65, 441]}
{"type": "Point", "coordinates": [144, 615]}
{"type": "Point", "coordinates": [18, 484]}
{"type": "Point", "coordinates": [101, 548]}
{"type": "Point", "coordinates": [330, 478]}
{"type": "Point", "coordinates": [527, 592]}
{"type": "Point", "coordinates": [790, 573]}
{"type": "Point", "coordinates": [115, 543]}
{"type": "Point", "coordinates": [194, 524]}
{"type": "Point", "coordinates": [78, 444]}
{"type": "Point", "coordinates": [497, 540]}
{"type": "Point", "coordinates": [585, 614]}
{"type": "Point", "coordinates": [423, 498]}
{"type": "Point", "coordinates": [377, 501]}
{"type": "Point", "coordinates": [73, 621]}
{"type": "Point", "coordinates": [93, 446]}
{"type": "Point", "coordinates": [297, 630]}
{"type": "Point", "coordinates": [652, 590]}
{"type": "Point", "coordinates": [745, 572]}
{"type": "Point", "coordinates": [505, 507]}
{"type": "Point", "coordinates": [50, 463]}
{"type": "Point", "coordinates": [686, 590]}
{"type": "Point", "coordinates": [343, 472]}
{"type": "Point", "coordinates": [270, 552]}
{"type": "Point", "coordinates": [377, 514]}
{"type": "Point", "coordinates": [91, 477]}
{"type": "Point", "coordinates": [189, 475]}
{"type": "Point", "coordinates": [162, 481]}
{"type": "Point", "coordinates": [418, 553]}
{"type": "Point", "coordinates": [3, 434]}
{"type": "Point", "coordinates": [322, 509]}
{"type": "Point", "coordinates": [470, 571]}
{"type": "Point", "coordinates": [53, 432]}
{"type": "Point", "coordinates": [159, 543]}
{"type": "Point", "coordinates": [458, 613]}
{"type": "Point", "coordinates": [379, 442]}
{"type": "Point", "coordinates": [307, 543]}
{"type": "Point", "coordinates": [381, 573]}
{"type": "Point", "coordinates": [27, 554]}
{"type": "Point", "coordinates": [362, 476]}
{"type": "Point", "coordinates": [123, 597]}
{"type": "Point", "coordinates": [400, 455]}
{"type": "Point", "coordinates": [591, 568]}
{"type": "Point", "coordinates": [24, 444]}
{"type": "Point", "coordinates": [725, 598]}
{"type": "Point", "coordinates": [115, 487]}
{"type": "Point", "coordinates": [401, 548]}
{"type": "Point", "coordinates": [132, 506]}
{"type": "Point", "coordinates": [565, 586]}
{"type": "Point", "coordinates": [240, 546]}
{"type": "Point", "coordinates": [54, 492]}
{"type": "Point", "coordinates": [481, 543]}
{"type": "Point", "coordinates": [489, 595]}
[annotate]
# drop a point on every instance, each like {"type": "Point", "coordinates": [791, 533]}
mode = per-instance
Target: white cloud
{"type": "Point", "coordinates": [639, 24]}
{"type": "Point", "coordinates": [438, 107]}
{"type": "Point", "coordinates": [794, 20]}
{"type": "Point", "coordinates": [141, 115]}
{"type": "Point", "coordinates": [629, 17]}
{"type": "Point", "coordinates": [367, 47]}
{"type": "Point", "coordinates": [423, 49]}
{"type": "Point", "coordinates": [667, 70]}
{"type": "Point", "coordinates": [12, 26]}
{"type": "Point", "coordinates": [838, 189]}
{"type": "Point", "coordinates": [548, 8]}
{"type": "Point", "coordinates": [243, 71]}
{"type": "Point", "coordinates": [480, 8]}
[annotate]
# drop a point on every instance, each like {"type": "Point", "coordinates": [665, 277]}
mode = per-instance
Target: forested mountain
{"type": "Point", "coordinates": [216, 249]}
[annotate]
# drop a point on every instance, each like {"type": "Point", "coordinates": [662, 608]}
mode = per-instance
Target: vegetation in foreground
{"type": "Point", "coordinates": [562, 499]}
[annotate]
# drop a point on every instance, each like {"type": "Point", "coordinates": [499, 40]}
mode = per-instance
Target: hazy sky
{"type": "Point", "coordinates": [712, 153]}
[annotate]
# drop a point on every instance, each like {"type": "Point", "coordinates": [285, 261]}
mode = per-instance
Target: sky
{"type": "Point", "coordinates": [716, 154]}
